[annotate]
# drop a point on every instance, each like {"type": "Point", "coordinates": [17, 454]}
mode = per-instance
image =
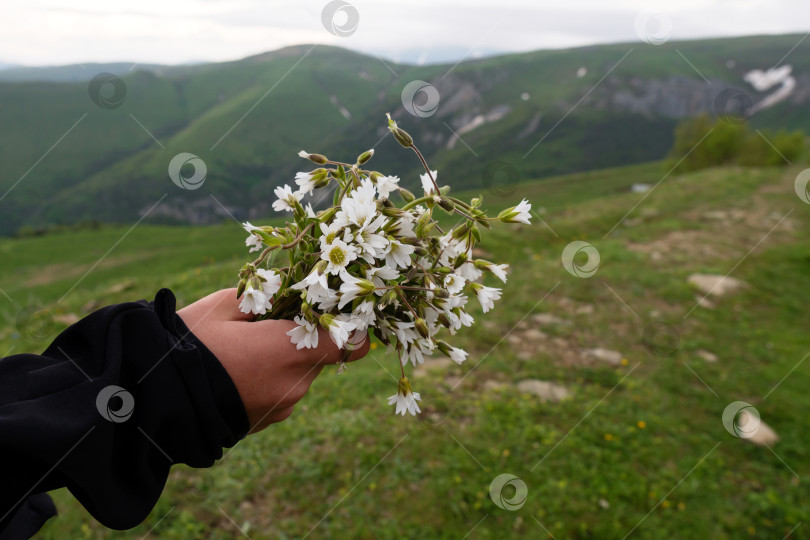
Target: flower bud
{"type": "Point", "coordinates": [406, 195]}
{"type": "Point", "coordinates": [327, 215]}
{"type": "Point", "coordinates": [374, 176]}
{"type": "Point", "coordinates": [400, 134]}
{"type": "Point", "coordinates": [421, 327]}
{"type": "Point", "coordinates": [241, 287]}
{"type": "Point", "coordinates": [460, 232]}
{"type": "Point", "coordinates": [443, 320]}
{"type": "Point", "coordinates": [326, 320]}
{"type": "Point", "coordinates": [425, 230]}
{"type": "Point", "coordinates": [388, 298]}
{"type": "Point", "coordinates": [447, 205]}
{"type": "Point", "coordinates": [441, 293]}
{"type": "Point", "coordinates": [321, 267]}
{"type": "Point", "coordinates": [391, 211]}
{"type": "Point", "coordinates": [315, 158]}
{"type": "Point", "coordinates": [444, 347]}
{"type": "Point", "coordinates": [365, 156]}
{"type": "Point", "coordinates": [247, 270]}
{"type": "Point", "coordinates": [476, 232]}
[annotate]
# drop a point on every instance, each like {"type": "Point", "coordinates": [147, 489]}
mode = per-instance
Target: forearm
{"type": "Point", "coordinates": [63, 421]}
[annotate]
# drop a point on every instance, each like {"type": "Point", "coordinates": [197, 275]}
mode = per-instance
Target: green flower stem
{"type": "Point", "coordinates": [297, 239]}
{"type": "Point", "coordinates": [415, 202]}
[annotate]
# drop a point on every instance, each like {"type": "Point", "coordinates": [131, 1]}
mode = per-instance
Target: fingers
{"type": "Point", "coordinates": [219, 305]}
{"type": "Point", "coordinates": [354, 349]}
{"type": "Point", "coordinates": [272, 335]}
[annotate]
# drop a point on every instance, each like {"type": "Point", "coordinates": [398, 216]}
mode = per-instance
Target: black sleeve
{"type": "Point", "coordinates": [105, 411]}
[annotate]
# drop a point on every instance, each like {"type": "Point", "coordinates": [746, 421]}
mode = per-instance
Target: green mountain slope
{"type": "Point", "coordinates": [546, 112]}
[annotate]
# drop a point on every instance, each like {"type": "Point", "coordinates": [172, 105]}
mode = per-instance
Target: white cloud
{"type": "Point", "coordinates": [40, 32]}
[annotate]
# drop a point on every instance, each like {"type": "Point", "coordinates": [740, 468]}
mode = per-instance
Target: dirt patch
{"type": "Point", "coordinates": [682, 245]}
{"type": "Point", "coordinates": [53, 273]}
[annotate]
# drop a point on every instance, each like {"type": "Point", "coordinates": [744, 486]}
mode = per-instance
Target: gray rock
{"type": "Point", "coordinates": [547, 318]}
{"type": "Point", "coordinates": [764, 435]}
{"type": "Point", "coordinates": [613, 358]}
{"type": "Point", "coordinates": [546, 391]}
{"type": "Point", "coordinates": [716, 285]}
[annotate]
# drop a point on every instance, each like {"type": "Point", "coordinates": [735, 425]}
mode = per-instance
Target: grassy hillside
{"type": "Point", "coordinates": [550, 112]}
{"type": "Point", "coordinates": [637, 449]}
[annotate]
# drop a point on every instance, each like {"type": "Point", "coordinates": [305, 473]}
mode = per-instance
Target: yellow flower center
{"type": "Point", "coordinates": [337, 256]}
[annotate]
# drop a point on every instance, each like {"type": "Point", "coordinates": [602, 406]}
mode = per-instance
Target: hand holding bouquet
{"type": "Point", "coordinates": [368, 265]}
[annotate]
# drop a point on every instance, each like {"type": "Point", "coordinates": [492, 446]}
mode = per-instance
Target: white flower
{"type": "Point", "coordinates": [458, 355]}
{"type": "Point", "coordinates": [403, 227]}
{"type": "Point", "coordinates": [359, 209]}
{"type": "Point", "coordinates": [499, 270]}
{"type": "Point", "coordinates": [309, 210]}
{"type": "Point", "coordinates": [465, 318]}
{"type": "Point", "coordinates": [330, 232]}
{"type": "Point", "coordinates": [427, 183]}
{"type": "Point", "coordinates": [286, 198]}
{"type": "Point", "coordinates": [304, 154]}
{"type": "Point", "coordinates": [399, 254]}
{"type": "Point", "coordinates": [365, 193]}
{"type": "Point", "coordinates": [316, 286]}
{"type": "Point", "coordinates": [405, 332]}
{"type": "Point", "coordinates": [486, 296]}
{"type": "Point", "coordinates": [364, 315]}
{"type": "Point", "coordinates": [451, 248]}
{"type": "Point", "coordinates": [469, 272]}
{"type": "Point", "coordinates": [453, 283]}
{"type": "Point", "coordinates": [253, 241]}
{"type": "Point", "coordinates": [305, 182]}
{"type": "Point", "coordinates": [387, 184]}
{"type": "Point", "coordinates": [371, 242]}
{"type": "Point", "coordinates": [377, 275]}
{"type": "Point", "coordinates": [405, 399]}
{"type": "Point", "coordinates": [353, 288]}
{"type": "Point", "coordinates": [304, 335]}
{"type": "Point", "coordinates": [338, 254]}
{"type": "Point", "coordinates": [271, 283]}
{"type": "Point", "coordinates": [329, 301]}
{"type": "Point", "coordinates": [517, 214]}
{"type": "Point", "coordinates": [416, 352]}
{"type": "Point", "coordinates": [254, 301]}
{"type": "Point", "coordinates": [523, 210]}
{"type": "Point", "coordinates": [339, 329]}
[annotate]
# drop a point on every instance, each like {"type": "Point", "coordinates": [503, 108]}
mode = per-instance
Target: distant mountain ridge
{"type": "Point", "coordinates": [74, 151]}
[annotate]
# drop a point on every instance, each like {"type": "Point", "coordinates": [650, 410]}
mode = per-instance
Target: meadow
{"type": "Point", "coordinates": [634, 449]}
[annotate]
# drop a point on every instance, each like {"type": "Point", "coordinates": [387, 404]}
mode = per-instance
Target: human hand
{"type": "Point", "coordinates": [270, 374]}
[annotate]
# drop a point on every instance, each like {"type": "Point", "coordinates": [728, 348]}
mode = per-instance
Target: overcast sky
{"type": "Point", "coordinates": [52, 32]}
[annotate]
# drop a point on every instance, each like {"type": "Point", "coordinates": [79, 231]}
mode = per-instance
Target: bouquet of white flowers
{"type": "Point", "coordinates": [368, 265]}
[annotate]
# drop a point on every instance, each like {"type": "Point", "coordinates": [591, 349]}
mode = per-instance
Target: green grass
{"type": "Point", "coordinates": [635, 445]}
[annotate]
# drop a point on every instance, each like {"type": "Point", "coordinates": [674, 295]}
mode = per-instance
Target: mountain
{"type": "Point", "coordinates": [79, 151]}
{"type": "Point", "coordinates": [73, 72]}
